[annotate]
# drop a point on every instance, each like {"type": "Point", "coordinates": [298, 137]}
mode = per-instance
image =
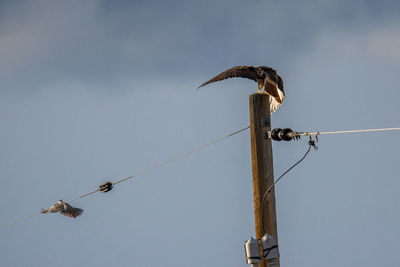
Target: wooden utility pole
{"type": "Point", "coordinates": [262, 167]}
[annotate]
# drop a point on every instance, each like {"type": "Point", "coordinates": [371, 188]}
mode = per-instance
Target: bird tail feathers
{"type": "Point", "coordinates": [275, 104]}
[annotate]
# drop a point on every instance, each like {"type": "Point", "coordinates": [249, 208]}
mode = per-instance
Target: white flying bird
{"type": "Point", "coordinates": [64, 209]}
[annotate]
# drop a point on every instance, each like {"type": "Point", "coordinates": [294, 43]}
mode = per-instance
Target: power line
{"type": "Point", "coordinates": [140, 172]}
{"type": "Point", "coordinates": [19, 220]}
{"type": "Point", "coordinates": [181, 155]}
{"type": "Point", "coordinates": [165, 162]}
{"type": "Point", "coordinates": [288, 170]}
{"type": "Point", "coordinates": [349, 131]}
{"type": "Point", "coordinates": [288, 134]}
{"type": "Point", "coordinates": [311, 143]}
{"type": "Point", "coordinates": [201, 147]}
{"type": "Point", "coordinates": [82, 196]}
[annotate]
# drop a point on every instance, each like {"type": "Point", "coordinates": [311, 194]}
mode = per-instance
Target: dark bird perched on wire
{"type": "Point", "coordinates": [64, 209]}
{"type": "Point", "coordinates": [265, 77]}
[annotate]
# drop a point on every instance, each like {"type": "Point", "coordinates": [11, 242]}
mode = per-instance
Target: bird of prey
{"type": "Point", "coordinates": [265, 77]}
{"type": "Point", "coordinates": [64, 209]}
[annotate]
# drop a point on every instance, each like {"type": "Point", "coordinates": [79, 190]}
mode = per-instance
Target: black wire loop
{"type": "Point", "coordinates": [311, 143]}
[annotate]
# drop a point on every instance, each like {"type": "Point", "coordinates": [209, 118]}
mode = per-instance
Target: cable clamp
{"type": "Point", "coordinates": [313, 142]}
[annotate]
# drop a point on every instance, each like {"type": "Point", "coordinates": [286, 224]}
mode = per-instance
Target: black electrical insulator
{"type": "Point", "coordinates": [287, 134]}
{"type": "Point", "coordinates": [105, 187]}
{"type": "Point", "coordinates": [279, 134]}
{"type": "Point", "coordinates": [275, 134]}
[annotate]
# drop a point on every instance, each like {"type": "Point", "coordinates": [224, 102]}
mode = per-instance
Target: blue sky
{"type": "Point", "coordinates": [97, 91]}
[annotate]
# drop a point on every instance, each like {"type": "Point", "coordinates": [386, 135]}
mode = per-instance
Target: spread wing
{"type": "Point", "coordinates": [54, 208]}
{"type": "Point", "coordinates": [71, 211]}
{"type": "Point", "coordinates": [248, 72]}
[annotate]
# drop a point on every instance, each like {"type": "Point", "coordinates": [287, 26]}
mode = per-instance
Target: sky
{"type": "Point", "coordinates": [98, 90]}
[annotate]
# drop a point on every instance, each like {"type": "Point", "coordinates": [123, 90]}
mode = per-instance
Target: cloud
{"type": "Point", "coordinates": [101, 43]}
{"type": "Point", "coordinates": [381, 42]}
{"type": "Point", "coordinates": [384, 43]}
